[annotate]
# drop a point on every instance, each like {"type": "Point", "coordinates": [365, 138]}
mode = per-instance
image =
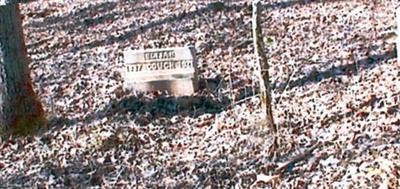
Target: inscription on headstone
{"type": "Point", "coordinates": [172, 70]}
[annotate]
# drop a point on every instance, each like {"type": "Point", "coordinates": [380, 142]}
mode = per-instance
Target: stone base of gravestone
{"type": "Point", "coordinates": [174, 87]}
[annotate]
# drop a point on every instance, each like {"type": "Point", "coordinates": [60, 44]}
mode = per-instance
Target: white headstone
{"type": "Point", "coordinates": [170, 69]}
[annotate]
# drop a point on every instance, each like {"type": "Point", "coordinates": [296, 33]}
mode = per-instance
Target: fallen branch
{"type": "Point", "coordinates": [277, 175]}
{"type": "Point", "coordinates": [283, 168]}
{"type": "Point", "coordinates": [245, 99]}
{"type": "Point", "coordinates": [242, 44]}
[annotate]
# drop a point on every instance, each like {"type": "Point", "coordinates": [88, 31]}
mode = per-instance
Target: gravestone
{"type": "Point", "coordinates": [172, 70]}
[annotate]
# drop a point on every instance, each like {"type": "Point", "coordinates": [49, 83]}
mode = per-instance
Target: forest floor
{"type": "Point", "coordinates": [335, 83]}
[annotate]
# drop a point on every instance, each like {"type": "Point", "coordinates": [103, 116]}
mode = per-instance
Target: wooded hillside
{"type": "Point", "coordinates": [335, 87]}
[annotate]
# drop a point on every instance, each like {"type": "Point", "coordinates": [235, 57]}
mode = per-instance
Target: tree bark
{"type": "Point", "coordinates": [398, 34]}
{"type": "Point", "coordinates": [8, 2]}
{"type": "Point", "coordinates": [262, 61]}
{"type": "Point", "coordinates": [265, 89]}
{"type": "Point", "coordinates": [20, 111]}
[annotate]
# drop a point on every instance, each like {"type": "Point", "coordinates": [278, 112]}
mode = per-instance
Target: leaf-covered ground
{"type": "Point", "coordinates": [336, 89]}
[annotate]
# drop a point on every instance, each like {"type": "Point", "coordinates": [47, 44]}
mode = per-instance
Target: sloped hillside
{"type": "Point", "coordinates": [336, 90]}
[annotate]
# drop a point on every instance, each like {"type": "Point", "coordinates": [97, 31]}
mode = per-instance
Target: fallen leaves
{"type": "Point", "coordinates": [265, 179]}
{"type": "Point", "coordinates": [340, 88]}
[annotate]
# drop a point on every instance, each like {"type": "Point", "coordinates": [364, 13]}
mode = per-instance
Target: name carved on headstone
{"type": "Point", "coordinates": [171, 69]}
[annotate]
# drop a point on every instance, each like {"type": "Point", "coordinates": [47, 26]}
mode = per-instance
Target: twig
{"type": "Point", "coordinates": [283, 168]}
{"type": "Point", "coordinates": [243, 43]}
{"type": "Point", "coordinates": [230, 75]}
{"type": "Point", "coordinates": [118, 175]}
{"type": "Point", "coordinates": [245, 99]}
{"type": "Point", "coordinates": [357, 71]}
{"type": "Point", "coordinates": [386, 145]}
{"type": "Point", "coordinates": [286, 85]}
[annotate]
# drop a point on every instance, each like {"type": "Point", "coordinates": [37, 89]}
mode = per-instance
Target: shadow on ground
{"type": "Point", "coordinates": [104, 12]}
{"type": "Point", "coordinates": [349, 69]}
{"type": "Point", "coordinates": [159, 106]}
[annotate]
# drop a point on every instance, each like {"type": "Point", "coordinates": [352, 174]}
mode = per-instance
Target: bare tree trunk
{"type": "Point", "coordinates": [262, 61]}
{"type": "Point", "coordinates": [20, 111]}
{"type": "Point", "coordinates": [398, 33]}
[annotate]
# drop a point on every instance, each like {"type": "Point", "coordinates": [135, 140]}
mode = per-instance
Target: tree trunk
{"type": "Point", "coordinates": [398, 34]}
{"type": "Point", "coordinates": [20, 111]}
{"type": "Point", "coordinates": [262, 61]}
